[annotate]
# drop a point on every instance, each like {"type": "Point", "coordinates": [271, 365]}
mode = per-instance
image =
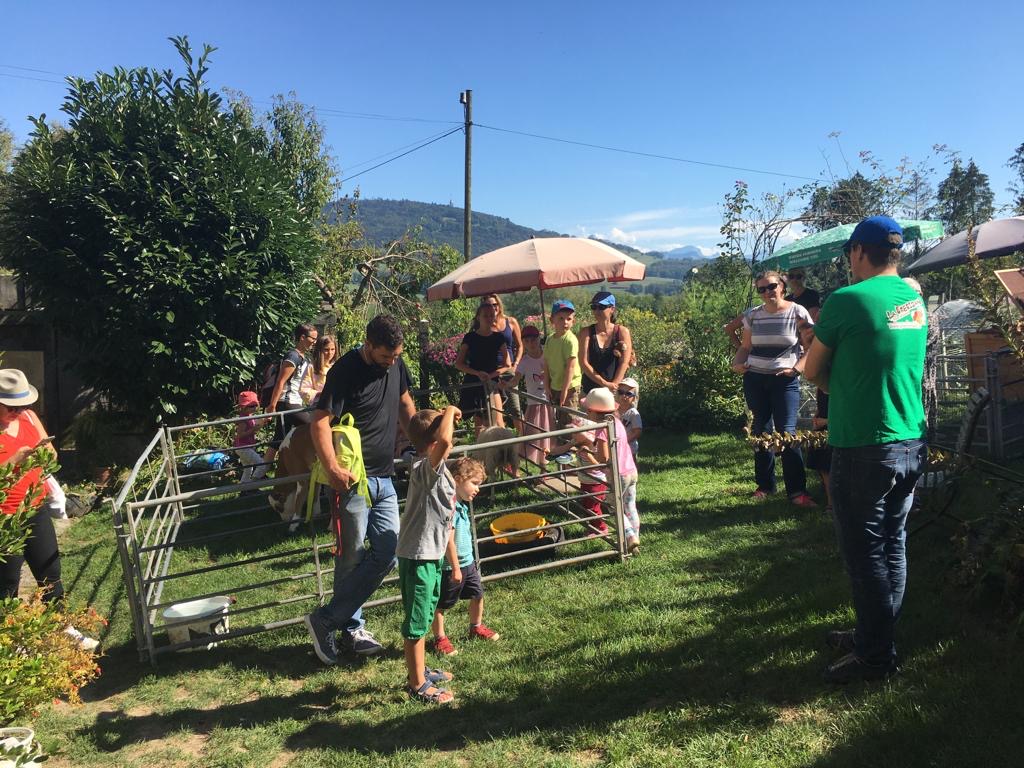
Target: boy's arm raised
{"type": "Point", "coordinates": [445, 436]}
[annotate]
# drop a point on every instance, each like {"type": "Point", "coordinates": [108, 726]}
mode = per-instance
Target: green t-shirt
{"type": "Point", "coordinates": [557, 352]}
{"type": "Point", "coordinates": [876, 330]}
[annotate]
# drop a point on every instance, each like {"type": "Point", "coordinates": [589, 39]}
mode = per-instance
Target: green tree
{"type": "Point", "coordinates": [845, 202]}
{"type": "Point", "coordinates": [6, 146]}
{"type": "Point", "coordinates": [965, 198]}
{"type": "Point", "coordinates": [1016, 163]}
{"type": "Point", "coordinates": [161, 236]}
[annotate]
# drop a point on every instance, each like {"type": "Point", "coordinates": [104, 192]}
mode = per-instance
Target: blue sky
{"type": "Point", "coordinates": [748, 84]}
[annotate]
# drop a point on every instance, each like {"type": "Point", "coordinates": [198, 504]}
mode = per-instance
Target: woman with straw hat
{"type": "Point", "coordinates": [21, 432]}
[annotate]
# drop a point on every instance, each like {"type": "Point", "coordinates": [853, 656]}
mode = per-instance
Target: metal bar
{"type": "Point", "coordinates": [540, 528]}
{"type": "Point", "coordinates": [222, 566]}
{"type": "Point", "coordinates": [564, 543]}
{"type": "Point", "coordinates": [549, 565]}
{"type": "Point", "coordinates": [119, 500]}
{"type": "Point", "coordinates": [616, 483]}
{"type": "Point", "coordinates": [127, 572]}
{"type": "Point", "coordinates": [221, 490]}
{"type": "Point", "coordinates": [536, 505]}
{"type": "Point", "coordinates": [232, 420]}
{"type": "Point", "coordinates": [220, 535]}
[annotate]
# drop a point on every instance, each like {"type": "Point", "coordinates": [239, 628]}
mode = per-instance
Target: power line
{"type": "Point", "coordinates": [393, 151]}
{"type": "Point", "coordinates": [645, 154]}
{"type": "Point", "coordinates": [29, 77]}
{"type": "Point", "coordinates": [409, 152]}
{"type": "Point", "coordinates": [30, 69]}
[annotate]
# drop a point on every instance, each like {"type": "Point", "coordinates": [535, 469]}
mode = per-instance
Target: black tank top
{"type": "Point", "coordinates": [603, 361]}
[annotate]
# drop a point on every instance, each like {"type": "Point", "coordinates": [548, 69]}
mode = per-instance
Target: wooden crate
{"type": "Point", "coordinates": [1011, 372]}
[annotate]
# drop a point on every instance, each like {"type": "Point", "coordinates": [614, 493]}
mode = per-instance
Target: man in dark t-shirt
{"type": "Point", "coordinates": [808, 298]}
{"type": "Point", "coordinates": [372, 384]}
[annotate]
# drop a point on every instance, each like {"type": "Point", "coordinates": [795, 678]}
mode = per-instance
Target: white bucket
{"type": "Point", "coordinates": [11, 739]}
{"type": "Point", "coordinates": [206, 618]}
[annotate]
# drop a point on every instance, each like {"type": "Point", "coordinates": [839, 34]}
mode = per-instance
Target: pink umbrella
{"type": "Point", "coordinates": [541, 262]}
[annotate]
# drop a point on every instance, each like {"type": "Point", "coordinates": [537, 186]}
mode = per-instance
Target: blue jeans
{"type": "Point", "coordinates": [775, 399]}
{"type": "Point", "coordinates": [361, 568]}
{"type": "Point", "coordinates": [872, 491]}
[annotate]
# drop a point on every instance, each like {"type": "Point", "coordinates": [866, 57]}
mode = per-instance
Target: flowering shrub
{"type": "Point", "coordinates": [39, 661]}
{"type": "Point", "coordinates": [441, 356]}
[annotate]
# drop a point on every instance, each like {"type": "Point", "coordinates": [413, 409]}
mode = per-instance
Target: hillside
{"type": "Point", "coordinates": [387, 220]}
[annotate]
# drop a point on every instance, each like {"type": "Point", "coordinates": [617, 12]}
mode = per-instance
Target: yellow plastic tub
{"type": "Point", "coordinates": [517, 521]}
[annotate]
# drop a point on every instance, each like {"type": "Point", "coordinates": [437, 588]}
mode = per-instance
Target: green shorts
{"type": "Point", "coordinates": [421, 588]}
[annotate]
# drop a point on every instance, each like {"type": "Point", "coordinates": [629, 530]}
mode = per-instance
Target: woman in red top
{"type": "Point", "coordinates": [20, 434]}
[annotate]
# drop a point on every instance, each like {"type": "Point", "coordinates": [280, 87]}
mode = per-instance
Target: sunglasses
{"type": "Point", "coordinates": [625, 393]}
{"type": "Point", "coordinates": [766, 288]}
{"type": "Point", "coordinates": [489, 304]}
{"type": "Point", "coordinates": [796, 277]}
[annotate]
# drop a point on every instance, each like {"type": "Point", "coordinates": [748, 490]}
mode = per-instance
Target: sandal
{"type": "Point", "coordinates": [436, 675]}
{"type": "Point", "coordinates": [423, 694]}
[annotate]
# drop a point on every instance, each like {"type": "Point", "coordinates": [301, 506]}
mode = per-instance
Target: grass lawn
{"type": "Point", "coordinates": [706, 650]}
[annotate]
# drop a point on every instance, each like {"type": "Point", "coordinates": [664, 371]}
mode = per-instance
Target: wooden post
{"type": "Point", "coordinates": [466, 98]}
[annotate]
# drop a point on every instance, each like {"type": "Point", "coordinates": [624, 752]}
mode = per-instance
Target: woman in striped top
{"type": "Point", "coordinates": [771, 359]}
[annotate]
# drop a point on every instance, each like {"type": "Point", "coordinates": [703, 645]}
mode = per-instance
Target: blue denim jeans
{"type": "Point", "coordinates": [775, 399]}
{"type": "Point", "coordinates": [872, 491]}
{"type": "Point", "coordinates": [368, 541]}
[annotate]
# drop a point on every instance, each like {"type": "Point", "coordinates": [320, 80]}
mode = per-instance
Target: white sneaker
{"type": "Point", "coordinates": [84, 642]}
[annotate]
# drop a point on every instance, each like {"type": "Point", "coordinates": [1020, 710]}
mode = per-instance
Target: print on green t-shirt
{"type": "Point", "coordinates": [876, 330]}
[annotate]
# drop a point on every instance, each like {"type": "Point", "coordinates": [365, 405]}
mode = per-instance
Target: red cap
{"type": "Point", "coordinates": [248, 399]}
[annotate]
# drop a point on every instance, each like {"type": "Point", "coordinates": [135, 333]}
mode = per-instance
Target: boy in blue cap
{"type": "Point", "coordinates": [561, 355]}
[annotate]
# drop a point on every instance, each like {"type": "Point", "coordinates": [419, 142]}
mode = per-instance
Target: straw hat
{"type": "Point", "coordinates": [15, 389]}
{"type": "Point", "coordinates": [599, 399]}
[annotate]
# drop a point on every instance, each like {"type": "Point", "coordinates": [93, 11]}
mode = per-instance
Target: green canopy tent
{"type": "Point", "coordinates": [828, 245]}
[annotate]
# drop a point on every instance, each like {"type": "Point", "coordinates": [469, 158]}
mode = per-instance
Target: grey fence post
{"type": "Point", "coordinates": [995, 410]}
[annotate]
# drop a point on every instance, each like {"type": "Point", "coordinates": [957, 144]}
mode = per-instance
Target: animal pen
{"type": "Point", "coordinates": [187, 535]}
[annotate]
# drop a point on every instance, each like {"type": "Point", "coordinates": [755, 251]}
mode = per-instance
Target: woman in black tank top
{"type": "Point", "coordinates": [605, 347]}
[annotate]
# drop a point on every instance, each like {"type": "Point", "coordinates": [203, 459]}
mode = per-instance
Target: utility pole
{"type": "Point", "coordinates": [466, 99]}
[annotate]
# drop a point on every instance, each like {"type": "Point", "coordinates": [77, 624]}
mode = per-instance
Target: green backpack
{"type": "Point", "coordinates": [348, 447]}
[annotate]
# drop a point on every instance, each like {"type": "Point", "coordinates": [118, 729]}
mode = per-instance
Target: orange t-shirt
{"type": "Point", "coordinates": [29, 436]}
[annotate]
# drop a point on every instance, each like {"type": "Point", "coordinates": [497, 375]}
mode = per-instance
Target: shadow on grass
{"type": "Point", "coordinates": [760, 605]}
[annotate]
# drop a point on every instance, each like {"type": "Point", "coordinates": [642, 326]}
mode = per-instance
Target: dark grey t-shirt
{"type": "Point", "coordinates": [372, 395]}
{"type": "Point", "coordinates": [429, 509]}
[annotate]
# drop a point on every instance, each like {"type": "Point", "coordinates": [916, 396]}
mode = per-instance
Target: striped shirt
{"type": "Point", "coordinates": [775, 337]}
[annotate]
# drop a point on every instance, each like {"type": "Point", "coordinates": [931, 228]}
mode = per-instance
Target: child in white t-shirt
{"type": "Point", "coordinates": [537, 414]}
{"type": "Point", "coordinates": [627, 399]}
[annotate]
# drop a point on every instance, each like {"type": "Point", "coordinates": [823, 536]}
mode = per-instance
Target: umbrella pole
{"type": "Point", "coordinates": [543, 316]}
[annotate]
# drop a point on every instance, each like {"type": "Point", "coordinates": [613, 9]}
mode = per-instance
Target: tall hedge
{"type": "Point", "coordinates": [158, 234]}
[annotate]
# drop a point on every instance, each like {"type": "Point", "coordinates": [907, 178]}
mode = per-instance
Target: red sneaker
{"type": "Point", "coordinates": [803, 500]}
{"type": "Point", "coordinates": [443, 646]}
{"type": "Point", "coordinates": [758, 495]}
{"type": "Point", "coordinates": [482, 632]}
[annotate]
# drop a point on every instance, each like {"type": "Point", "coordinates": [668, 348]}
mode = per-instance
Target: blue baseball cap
{"type": "Point", "coordinates": [877, 230]}
{"type": "Point", "coordinates": [603, 299]}
{"type": "Point", "coordinates": [561, 306]}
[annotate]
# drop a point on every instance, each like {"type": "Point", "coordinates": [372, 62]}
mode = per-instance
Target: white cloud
{"type": "Point", "coordinates": [660, 229]}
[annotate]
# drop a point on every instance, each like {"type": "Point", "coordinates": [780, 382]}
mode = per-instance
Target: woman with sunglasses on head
{"type": "Point", "coordinates": [606, 346]}
{"type": "Point", "coordinates": [771, 359]}
{"type": "Point", "coordinates": [21, 433]}
{"type": "Point", "coordinates": [509, 328]}
{"type": "Point", "coordinates": [483, 357]}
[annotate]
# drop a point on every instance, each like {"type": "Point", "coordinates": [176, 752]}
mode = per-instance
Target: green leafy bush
{"type": "Point", "coordinates": [161, 235]}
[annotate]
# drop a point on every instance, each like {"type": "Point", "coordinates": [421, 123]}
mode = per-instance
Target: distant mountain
{"type": "Point", "coordinates": [387, 220]}
{"type": "Point", "coordinates": [686, 252]}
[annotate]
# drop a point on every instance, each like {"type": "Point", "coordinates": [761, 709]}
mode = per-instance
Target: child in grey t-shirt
{"type": "Point", "coordinates": [422, 542]}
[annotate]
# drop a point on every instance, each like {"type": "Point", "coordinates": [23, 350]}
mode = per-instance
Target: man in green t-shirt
{"type": "Point", "coordinates": [868, 354]}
